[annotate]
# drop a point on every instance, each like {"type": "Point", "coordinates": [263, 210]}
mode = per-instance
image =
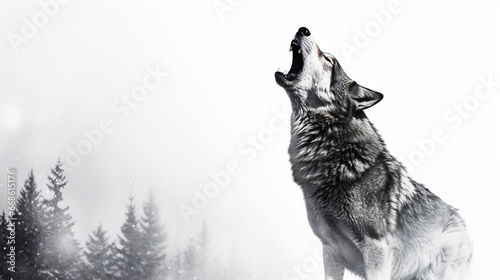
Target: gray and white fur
{"type": "Point", "coordinates": [370, 216]}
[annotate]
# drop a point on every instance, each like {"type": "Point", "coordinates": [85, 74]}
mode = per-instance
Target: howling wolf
{"type": "Point", "coordinates": [370, 216]}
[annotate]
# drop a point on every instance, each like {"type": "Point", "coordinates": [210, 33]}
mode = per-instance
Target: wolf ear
{"type": "Point", "coordinates": [363, 97]}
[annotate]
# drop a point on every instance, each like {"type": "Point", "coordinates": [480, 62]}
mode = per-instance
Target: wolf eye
{"type": "Point", "coordinates": [328, 59]}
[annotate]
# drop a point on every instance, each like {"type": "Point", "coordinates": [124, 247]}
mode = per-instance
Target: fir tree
{"type": "Point", "coordinates": [30, 231]}
{"type": "Point", "coordinates": [191, 262]}
{"type": "Point", "coordinates": [153, 241]}
{"type": "Point", "coordinates": [3, 247]}
{"type": "Point", "coordinates": [99, 256]}
{"type": "Point", "coordinates": [195, 263]}
{"type": "Point", "coordinates": [115, 265]}
{"type": "Point", "coordinates": [176, 267]}
{"type": "Point", "coordinates": [130, 253]}
{"type": "Point", "coordinates": [61, 253]}
{"type": "Point", "coordinates": [204, 248]}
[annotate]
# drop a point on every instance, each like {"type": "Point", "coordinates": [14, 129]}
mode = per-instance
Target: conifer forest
{"type": "Point", "coordinates": [38, 242]}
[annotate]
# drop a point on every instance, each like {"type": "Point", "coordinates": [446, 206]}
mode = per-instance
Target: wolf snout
{"type": "Point", "coordinates": [303, 32]}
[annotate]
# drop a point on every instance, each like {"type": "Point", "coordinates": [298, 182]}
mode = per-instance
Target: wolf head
{"type": "Point", "coordinates": [316, 83]}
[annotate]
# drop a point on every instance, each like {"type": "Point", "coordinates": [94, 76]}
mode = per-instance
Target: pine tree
{"type": "Point", "coordinates": [191, 261]}
{"type": "Point", "coordinates": [99, 256]}
{"type": "Point", "coordinates": [153, 241]}
{"type": "Point", "coordinates": [130, 253]}
{"type": "Point", "coordinates": [176, 267]}
{"type": "Point", "coordinates": [196, 255]}
{"type": "Point", "coordinates": [3, 247]}
{"type": "Point", "coordinates": [30, 231]}
{"type": "Point", "coordinates": [61, 253]}
{"type": "Point", "coordinates": [204, 248]}
{"type": "Point", "coordinates": [115, 265]}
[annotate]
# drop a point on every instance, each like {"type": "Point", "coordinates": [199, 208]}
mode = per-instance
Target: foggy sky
{"type": "Point", "coordinates": [179, 97]}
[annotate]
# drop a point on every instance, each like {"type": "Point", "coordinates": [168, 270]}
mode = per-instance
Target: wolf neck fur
{"type": "Point", "coordinates": [331, 152]}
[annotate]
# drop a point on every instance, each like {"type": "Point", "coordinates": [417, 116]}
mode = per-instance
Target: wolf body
{"type": "Point", "coordinates": [370, 216]}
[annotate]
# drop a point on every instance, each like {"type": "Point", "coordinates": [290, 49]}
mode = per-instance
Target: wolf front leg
{"type": "Point", "coordinates": [377, 257]}
{"type": "Point", "coordinates": [334, 269]}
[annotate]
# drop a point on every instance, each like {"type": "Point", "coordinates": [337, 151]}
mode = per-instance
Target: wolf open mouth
{"type": "Point", "coordinates": [297, 60]}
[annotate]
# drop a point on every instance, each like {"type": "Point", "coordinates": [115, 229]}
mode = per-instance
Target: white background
{"type": "Point", "coordinates": [220, 105]}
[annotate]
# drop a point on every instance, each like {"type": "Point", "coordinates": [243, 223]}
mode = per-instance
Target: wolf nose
{"type": "Point", "coordinates": [303, 31]}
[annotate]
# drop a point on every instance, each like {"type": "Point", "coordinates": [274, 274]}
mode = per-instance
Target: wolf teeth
{"type": "Point", "coordinates": [300, 51]}
{"type": "Point", "coordinates": [290, 49]}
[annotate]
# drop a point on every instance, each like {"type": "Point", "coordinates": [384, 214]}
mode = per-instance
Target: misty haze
{"type": "Point", "coordinates": [149, 140]}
